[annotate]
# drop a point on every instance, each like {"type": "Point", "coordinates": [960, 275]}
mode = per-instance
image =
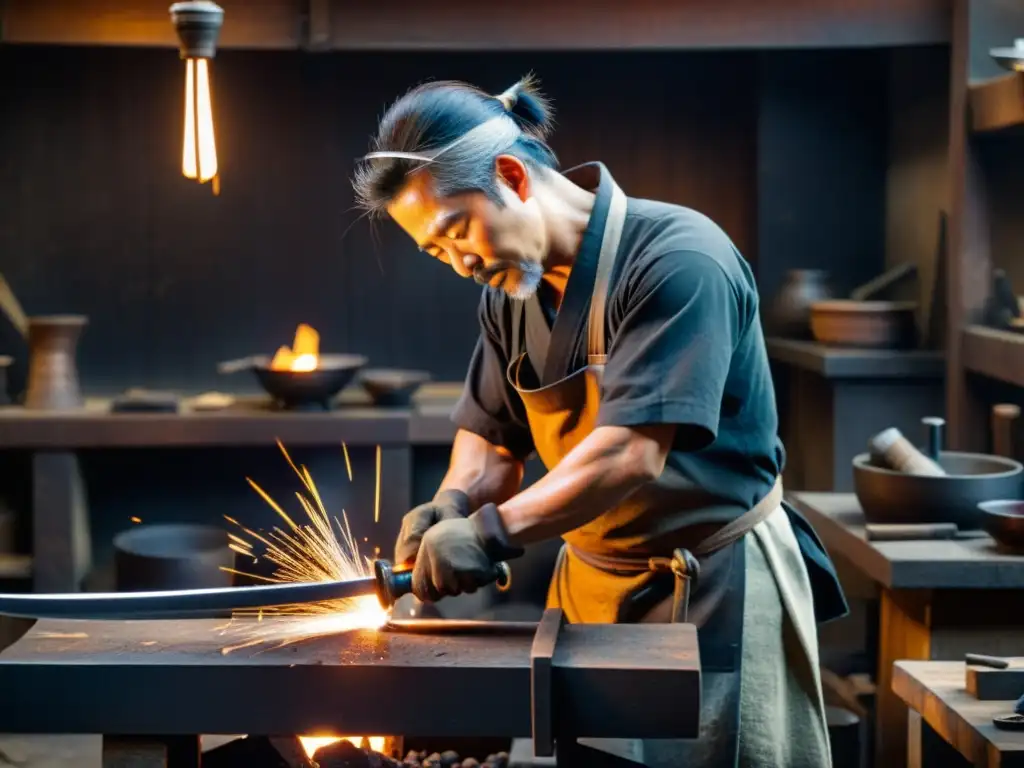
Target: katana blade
{"type": "Point", "coordinates": [174, 604]}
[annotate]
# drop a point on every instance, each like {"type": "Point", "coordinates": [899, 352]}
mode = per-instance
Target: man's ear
{"type": "Point", "coordinates": [512, 173]}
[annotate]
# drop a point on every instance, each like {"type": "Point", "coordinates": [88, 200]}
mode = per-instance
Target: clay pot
{"type": "Point", "coordinates": [52, 369]}
{"type": "Point", "coordinates": [790, 313]}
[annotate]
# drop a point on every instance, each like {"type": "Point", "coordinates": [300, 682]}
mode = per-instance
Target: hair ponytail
{"type": "Point", "coordinates": [528, 107]}
{"type": "Point", "coordinates": [435, 119]}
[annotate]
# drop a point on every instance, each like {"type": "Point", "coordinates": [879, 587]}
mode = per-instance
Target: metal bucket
{"type": "Point", "coordinates": [173, 556]}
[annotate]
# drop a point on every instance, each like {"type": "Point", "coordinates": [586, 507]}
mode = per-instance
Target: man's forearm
{"type": "Point", "coordinates": [486, 473]}
{"type": "Point", "coordinates": [598, 474]}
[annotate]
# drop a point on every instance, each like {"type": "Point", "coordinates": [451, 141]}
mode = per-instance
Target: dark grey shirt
{"type": "Point", "coordinates": [685, 347]}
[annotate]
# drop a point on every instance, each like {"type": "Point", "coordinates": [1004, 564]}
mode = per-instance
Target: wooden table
{"type": "Point", "coordinates": [943, 715]}
{"type": "Point", "coordinates": [61, 542]}
{"type": "Point", "coordinates": [938, 601]}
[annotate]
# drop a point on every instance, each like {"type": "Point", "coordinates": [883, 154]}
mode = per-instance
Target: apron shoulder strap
{"type": "Point", "coordinates": [596, 341]}
{"type": "Point", "coordinates": [518, 308]}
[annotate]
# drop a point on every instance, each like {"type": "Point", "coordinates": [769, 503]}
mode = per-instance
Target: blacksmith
{"type": "Point", "coordinates": [620, 342]}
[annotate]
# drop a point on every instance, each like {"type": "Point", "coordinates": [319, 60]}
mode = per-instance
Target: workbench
{"type": "Point", "coordinates": [937, 601]}
{"type": "Point", "coordinates": [168, 679]}
{"type": "Point", "coordinates": [944, 717]}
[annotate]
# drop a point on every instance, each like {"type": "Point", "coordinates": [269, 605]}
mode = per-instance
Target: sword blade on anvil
{"type": "Point", "coordinates": [176, 604]}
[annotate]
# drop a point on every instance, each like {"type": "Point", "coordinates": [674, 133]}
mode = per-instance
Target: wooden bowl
{"type": "Point", "coordinates": [870, 324]}
{"type": "Point", "coordinates": [1004, 522]}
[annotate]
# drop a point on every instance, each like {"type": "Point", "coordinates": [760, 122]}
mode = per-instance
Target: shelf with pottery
{"type": "Point", "coordinates": [849, 369]}
{"type": "Point", "coordinates": [986, 126]}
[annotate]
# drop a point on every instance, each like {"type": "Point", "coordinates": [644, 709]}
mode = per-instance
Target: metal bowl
{"type": "Point", "coordinates": [172, 556]}
{"type": "Point", "coordinates": [888, 496]}
{"type": "Point", "coordinates": [295, 389]}
{"type": "Point", "coordinates": [1004, 522]}
{"type": "Point", "coordinates": [392, 387]}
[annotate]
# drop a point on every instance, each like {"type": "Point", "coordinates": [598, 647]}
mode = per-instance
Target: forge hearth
{"type": "Point", "coordinates": [280, 752]}
{"type": "Point", "coordinates": [160, 679]}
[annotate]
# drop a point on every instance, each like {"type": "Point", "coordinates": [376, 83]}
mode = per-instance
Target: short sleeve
{"type": "Point", "coordinates": [669, 357]}
{"type": "Point", "coordinates": [489, 406]}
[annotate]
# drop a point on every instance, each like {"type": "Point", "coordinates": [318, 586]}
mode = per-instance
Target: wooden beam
{"type": "Point", "coordinates": [268, 24]}
{"type": "Point", "coordinates": [969, 256]}
{"type": "Point", "coordinates": [525, 25]}
{"type": "Point", "coordinates": [650, 24]}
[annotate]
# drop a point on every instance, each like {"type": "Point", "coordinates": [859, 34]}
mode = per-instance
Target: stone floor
{"type": "Point", "coordinates": [84, 751]}
{"type": "Point", "coordinates": [49, 751]}
{"type": "Point", "coordinates": [64, 751]}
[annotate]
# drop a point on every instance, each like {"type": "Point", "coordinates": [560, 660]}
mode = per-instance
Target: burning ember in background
{"type": "Point", "coordinates": [322, 549]}
{"type": "Point", "coordinates": [304, 354]}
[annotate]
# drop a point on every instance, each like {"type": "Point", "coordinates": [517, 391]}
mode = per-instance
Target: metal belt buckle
{"type": "Point", "coordinates": [686, 570]}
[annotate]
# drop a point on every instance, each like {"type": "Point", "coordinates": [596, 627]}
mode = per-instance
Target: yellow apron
{"type": "Point", "coordinates": [597, 577]}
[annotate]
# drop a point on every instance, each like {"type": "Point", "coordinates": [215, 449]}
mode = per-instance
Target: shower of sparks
{"type": "Point", "coordinates": [322, 549]}
{"type": "Point", "coordinates": [348, 463]}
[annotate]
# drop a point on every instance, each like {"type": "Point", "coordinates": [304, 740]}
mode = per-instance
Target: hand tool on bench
{"type": "Point", "coordinates": [386, 583]}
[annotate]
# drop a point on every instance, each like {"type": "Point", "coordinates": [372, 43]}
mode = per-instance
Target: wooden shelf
{"type": "Point", "coordinates": [997, 104]}
{"type": "Point", "coordinates": [457, 24]}
{"type": "Point", "coordinates": [249, 422]}
{"type": "Point", "coordinates": [839, 363]}
{"type": "Point", "coordinates": [996, 354]}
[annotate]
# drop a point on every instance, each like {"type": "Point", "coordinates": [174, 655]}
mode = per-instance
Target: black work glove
{"type": "Point", "coordinates": [447, 505]}
{"type": "Point", "coordinates": [458, 555]}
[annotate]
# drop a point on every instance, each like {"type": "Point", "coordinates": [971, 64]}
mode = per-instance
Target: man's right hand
{"type": "Point", "coordinates": [445, 506]}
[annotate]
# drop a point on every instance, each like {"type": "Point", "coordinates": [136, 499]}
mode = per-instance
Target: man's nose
{"type": "Point", "coordinates": [465, 263]}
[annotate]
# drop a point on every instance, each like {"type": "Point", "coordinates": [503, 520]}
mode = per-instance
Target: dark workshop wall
{"type": "Point", "coordinates": [95, 217]}
{"type": "Point", "coordinates": [917, 186]}
{"type": "Point", "coordinates": [821, 138]}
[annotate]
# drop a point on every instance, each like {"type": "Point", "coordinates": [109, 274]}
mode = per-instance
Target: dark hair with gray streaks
{"type": "Point", "coordinates": [456, 131]}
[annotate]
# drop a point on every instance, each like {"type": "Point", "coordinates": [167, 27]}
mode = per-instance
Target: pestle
{"type": "Point", "coordinates": [900, 454]}
{"type": "Point", "coordinates": [934, 425]}
{"type": "Point", "coordinates": [1004, 417]}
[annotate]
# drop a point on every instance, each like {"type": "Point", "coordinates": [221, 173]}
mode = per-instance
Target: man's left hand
{"type": "Point", "coordinates": [451, 560]}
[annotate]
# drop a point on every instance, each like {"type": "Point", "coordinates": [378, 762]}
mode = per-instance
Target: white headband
{"type": "Point", "coordinates": [503, 127]}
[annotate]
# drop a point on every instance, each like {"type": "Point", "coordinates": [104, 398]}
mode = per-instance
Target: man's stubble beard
{"type": "Point", "coordinates": [530, 275]}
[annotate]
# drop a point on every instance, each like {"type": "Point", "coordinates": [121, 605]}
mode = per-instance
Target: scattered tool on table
{"type": "Point", "coordinates": [981, 660]}
{"type": "Point", "coordinates": [910, 531]}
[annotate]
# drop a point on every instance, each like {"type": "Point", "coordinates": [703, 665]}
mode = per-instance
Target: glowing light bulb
{"type": "Point", "coordinates": [199, 152]}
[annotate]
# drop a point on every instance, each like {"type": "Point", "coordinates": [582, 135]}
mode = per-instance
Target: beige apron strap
{"type": "Point", "coordinates": [613, 226]}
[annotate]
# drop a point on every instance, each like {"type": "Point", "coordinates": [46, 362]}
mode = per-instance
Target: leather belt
{"type": "Point", "coordinates": [684, 564]}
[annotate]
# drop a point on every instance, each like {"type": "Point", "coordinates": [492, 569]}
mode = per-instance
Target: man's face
{"type": "Point", "coordinates": [501, 246]}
